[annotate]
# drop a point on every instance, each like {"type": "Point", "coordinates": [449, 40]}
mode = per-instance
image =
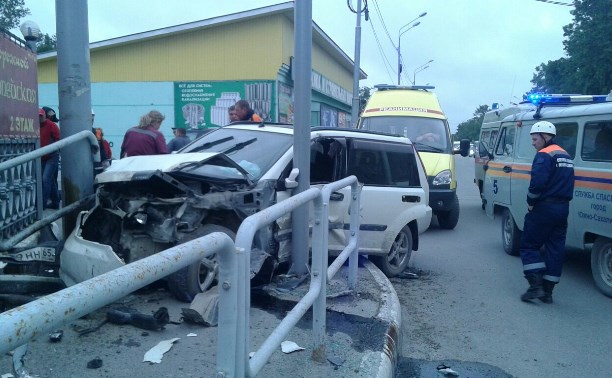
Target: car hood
{"type": "Point", "coordinates": [137, 167]}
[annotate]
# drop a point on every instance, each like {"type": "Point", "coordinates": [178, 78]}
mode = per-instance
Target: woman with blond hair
{"type": "Point", "coordinates": [145, 139]}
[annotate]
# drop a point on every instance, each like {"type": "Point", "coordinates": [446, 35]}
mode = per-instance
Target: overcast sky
{"type": "Point", "coordinates": [483, 51]}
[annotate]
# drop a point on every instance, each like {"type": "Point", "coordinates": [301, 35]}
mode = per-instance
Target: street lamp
{"type": "Point", "coordinates": [399, 41]}
{"type": "Point", "coordinates": [420, 68]}
{"type": "Point", "coordinates": [31, 33]}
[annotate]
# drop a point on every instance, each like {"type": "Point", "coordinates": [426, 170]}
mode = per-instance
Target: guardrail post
{"type": "Point", "coordinates": [320, 236]}
{"type": "Point", "coordinates": [354, 231]}
{"type": "Point", "coordinates": [228, 341]}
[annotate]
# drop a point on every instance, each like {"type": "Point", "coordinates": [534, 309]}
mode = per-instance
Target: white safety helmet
{"type": "Point", "coordinates": [543, 127]}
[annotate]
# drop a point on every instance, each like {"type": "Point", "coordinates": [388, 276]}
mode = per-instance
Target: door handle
{"type": "Point", "coordinates": [507, 169]}
{"type": "Point", "coordinates": [407, 198]}
{"type": "Point", "coordinates": [335, 196]}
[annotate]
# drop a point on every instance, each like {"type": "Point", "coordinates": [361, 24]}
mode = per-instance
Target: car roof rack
{"type": "Point", "coordinates": [385, 87]}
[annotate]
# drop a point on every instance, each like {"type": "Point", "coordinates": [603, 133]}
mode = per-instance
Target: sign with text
{"type": "Point", "coordinates": [18, 90]}
{"type": "Point", "coordinates": [199, 105]}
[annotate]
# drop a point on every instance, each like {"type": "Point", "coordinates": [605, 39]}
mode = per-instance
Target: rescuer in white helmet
{"type": "Point", "coordinates": [550, 189]}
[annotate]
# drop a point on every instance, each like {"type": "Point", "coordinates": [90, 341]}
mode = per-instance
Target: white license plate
{"type": "Point", "coordinates": [35, 254]}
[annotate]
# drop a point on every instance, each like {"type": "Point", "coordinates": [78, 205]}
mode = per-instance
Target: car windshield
{"type": "Point", "coordinates": [254, 150]}
{"type": "Point", "coordinates": [428, 134]}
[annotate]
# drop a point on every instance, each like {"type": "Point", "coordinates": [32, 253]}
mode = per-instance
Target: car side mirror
{"type": "Point", "coordinates": [291, 181]}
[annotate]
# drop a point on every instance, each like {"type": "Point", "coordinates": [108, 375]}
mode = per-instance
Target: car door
{"type": "Point", "coordinates": [391, 187]}
{"type": "Point", "coordinates": [497, 183]}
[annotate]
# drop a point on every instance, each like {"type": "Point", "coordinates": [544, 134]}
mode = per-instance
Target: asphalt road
{"type": "Point", "coordinates": [464, 310]}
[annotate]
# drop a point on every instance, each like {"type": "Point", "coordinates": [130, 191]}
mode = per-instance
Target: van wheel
{"type": "Point", "coordinates": [448, 219]}
{"type": "Point", "coordinates": [511, 235]}
{"type": "Point", "coordinates": [396, 261]}
{"type": "Point", "coordinates": [601, 264]}
{"type": "Point", "coordinates": [196, 278]}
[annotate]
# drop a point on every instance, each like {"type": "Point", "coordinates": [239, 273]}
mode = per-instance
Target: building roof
{"type": "Point", "coordinates": [287, 8]}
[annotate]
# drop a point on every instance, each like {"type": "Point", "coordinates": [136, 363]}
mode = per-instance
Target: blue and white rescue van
{"type": "Point", "coordinates": [584, 130]}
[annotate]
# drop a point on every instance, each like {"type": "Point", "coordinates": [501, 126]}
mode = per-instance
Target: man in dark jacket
{"type": "Point", "coordinates": [550, 190]}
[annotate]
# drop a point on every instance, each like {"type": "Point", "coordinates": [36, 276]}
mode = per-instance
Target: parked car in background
{"type": "Point", "coordinates": [145, 204]}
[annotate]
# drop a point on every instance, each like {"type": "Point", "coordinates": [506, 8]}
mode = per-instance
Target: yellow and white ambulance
{"type": "Point", "coordinates": [414, 112]}
{"type": "Point", "coordinates": [584, 130]}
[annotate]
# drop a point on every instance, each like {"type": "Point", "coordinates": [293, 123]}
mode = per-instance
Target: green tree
{"type": "Point", "coordinates": [587, 68]}
{"type": "Point", "coordinates": [364, 96]}
{"type": "Point", "coordinates": [11, 13]}
{"type": "Point", "coordinates": [46, 43]}
{"type": "Point", "coordinates": [470, 129]}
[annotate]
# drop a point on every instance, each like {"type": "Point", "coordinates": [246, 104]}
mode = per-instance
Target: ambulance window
{"type": "Point", "coordinates": [567, 136]}
{"type": "Point", "coordinates": [524, 149]}
{"type": "Point", "coordinates": [597, 141]}
{"type": "Point", "coordinates": [505, 146]}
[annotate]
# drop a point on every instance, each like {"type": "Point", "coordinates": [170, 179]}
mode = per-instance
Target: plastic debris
{"type": "Point", "coordinates": [154, 322]}
{"type": "Point", "coordinates": [204, 308]}
{"type": "Point", "coordinates": [335, 360]}
{"type": "Point", "coordinates": [251, 354]}
{"type": "Point", "coordinates": [156, 353]}
{"type": "Point", "coordinates": [191, 335]}
{"type": "Point", "coordinates": [56, 336]}
{"type": "Point", "coordinates": [446, 371]}
{"type": "Point", "coordinates": [290, 347]}
{"type": "Point", "coordinates": [7, 375]}
{"type": "Point", "coordinates": [96, 363]}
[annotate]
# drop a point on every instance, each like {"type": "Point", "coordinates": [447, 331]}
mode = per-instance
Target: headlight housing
{"type": "Point", "coordinates": [443, 178]}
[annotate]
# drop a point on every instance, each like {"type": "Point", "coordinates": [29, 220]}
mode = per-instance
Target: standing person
{"type": "Point", "coordinates": [98, 166]}
{"type": "Point", "coordinates": [550, 190]}
{"type": "Point", "coordinates": [180, 139]}
{"type": "Point", "coordinates": [231, 111]}
{"type": "Point", "coordinates": [245, 113]}
{"type": "Point", "coordinates": [145, 139]}
{"type": "Point", "coordinates": [49, 133]}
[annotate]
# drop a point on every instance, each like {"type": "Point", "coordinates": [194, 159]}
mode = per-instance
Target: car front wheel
{"type": "Point", "coordinates": [199, 277]}
{"type": "Point", "coordinates": [511, 235]}
{"type": "Point", "coordinates": [397, 259]}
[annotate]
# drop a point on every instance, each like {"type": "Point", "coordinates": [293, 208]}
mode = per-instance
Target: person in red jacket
{"type": "Point", "coordinates": [49, 133]}
{"type": "Point", "coordinates": [145, 139]}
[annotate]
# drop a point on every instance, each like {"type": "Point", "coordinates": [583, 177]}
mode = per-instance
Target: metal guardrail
{"type": "Point", "coordinates": [234, 305]}
{"type": "Point", "coordinates": [19, 325]}
{"type": "Point", "coordinates": [10, 242]}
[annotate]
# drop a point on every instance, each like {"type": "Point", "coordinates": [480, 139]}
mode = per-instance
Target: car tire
{"type": "Point", "coordinates": [396, 261]}
{"type": "Point", "coordinates": [196, 278]}
{"type": "Point", "coordinates": [448, 219]}
{"type": "Point", "coordinates": [511, 235]}
{"type": "Point", "coordinates": [601, 263]}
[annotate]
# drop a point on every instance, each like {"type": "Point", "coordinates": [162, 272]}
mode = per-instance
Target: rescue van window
{"type": "Point", "coordinates": [597, 141]}
{"type": "Point", "coordinates": [567, 137]}
{"type": "Point", "coordinates": [506, 142]}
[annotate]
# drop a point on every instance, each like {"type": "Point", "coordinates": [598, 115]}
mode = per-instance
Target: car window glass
{"type": "Point", "coordinates": [567, 136]}
{"type": "Point", "coordinates": [413, 128]}
{"type": "Point", "coordinates": [325, 160]}
{"type": "Point", "coordinates": [597, 141]}
{"type": "Point", "coordinates": [254, 150]}
{"type": "Point", "coordinates": [383, 164]}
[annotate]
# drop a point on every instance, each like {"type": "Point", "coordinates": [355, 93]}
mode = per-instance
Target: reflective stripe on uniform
{"type": "Point", "coordinates": [554, 279]}
{"type": "Point", "coordinates": [534, 266]}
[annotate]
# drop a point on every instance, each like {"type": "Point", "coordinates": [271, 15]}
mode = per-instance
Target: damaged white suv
{"type": "Point", "coordinates": [145, 204]}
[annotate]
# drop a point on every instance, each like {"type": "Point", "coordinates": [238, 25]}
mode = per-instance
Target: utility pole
{"type": "Point", "coordinates": [356, 69]}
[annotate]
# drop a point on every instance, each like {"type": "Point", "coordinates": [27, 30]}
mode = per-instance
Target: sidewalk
{"type": "Point", "coordinates": [362, 336]}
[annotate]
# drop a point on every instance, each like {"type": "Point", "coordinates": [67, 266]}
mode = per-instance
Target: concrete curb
{"type": "Point", "coordinates": [383, 364]}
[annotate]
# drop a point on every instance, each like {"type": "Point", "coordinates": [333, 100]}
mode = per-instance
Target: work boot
{"type": "Point", "coordinates": [548, 287]}
{"type": "Point", "coordinates": [535, 287]}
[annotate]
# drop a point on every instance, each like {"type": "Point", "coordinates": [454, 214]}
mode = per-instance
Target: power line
{"type": "Point", "coordinates": [385, 60]}
{"type": "Point", "coordinates": [557, 2]}
{"type": "Point", "coordinates": [382, 21]}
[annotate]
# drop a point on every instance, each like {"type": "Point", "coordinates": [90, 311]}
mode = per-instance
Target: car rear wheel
{"type": "Point", "coordinates": [397, 259]}
{"type": "Point", "coordinates": [601, 264]}
{"type": "Point", "coordinates": [448, 219]}
{"type": "Point", "coordinates": [199, 277]}
{"type": "Point", "coordinates": [511, 235]}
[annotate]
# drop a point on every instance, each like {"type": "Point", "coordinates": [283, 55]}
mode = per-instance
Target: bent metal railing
{"type": "Point", "coordinates": [19, 325]}
{"type": "Point", "coordinates": [235, 302]}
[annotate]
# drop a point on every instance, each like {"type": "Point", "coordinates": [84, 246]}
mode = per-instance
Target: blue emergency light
{"type": "Point", "coordinates": [562, 99]}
